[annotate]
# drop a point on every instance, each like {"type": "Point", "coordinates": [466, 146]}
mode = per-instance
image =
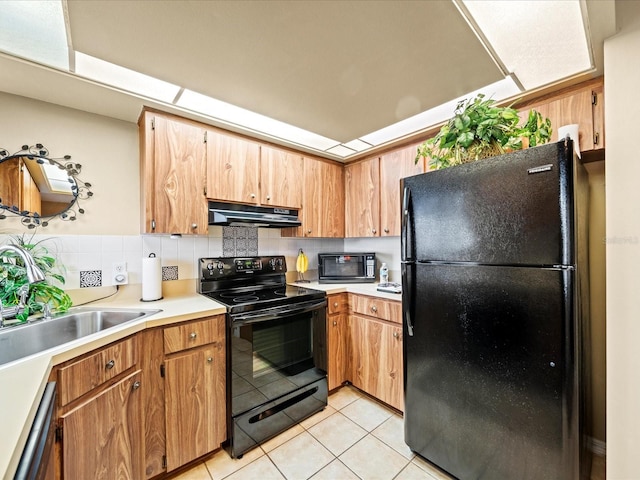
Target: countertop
{"type": "Point", "coordinates": [22, 382]}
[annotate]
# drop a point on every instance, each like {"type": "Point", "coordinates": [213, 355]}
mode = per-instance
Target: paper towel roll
{"type": "Point", "coordinates": [151, 278]}
{"type": "Point", "coordinates": [572, 132]}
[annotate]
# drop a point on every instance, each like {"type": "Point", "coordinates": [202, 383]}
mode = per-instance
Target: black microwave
{"type": "Point", "coordinates": [346, 267]}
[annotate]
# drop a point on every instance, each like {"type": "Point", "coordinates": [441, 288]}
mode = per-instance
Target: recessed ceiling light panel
{"type": "Point", "coordinates": [539, 41]}
{"type": "Point", "coordinates": [35, 30]}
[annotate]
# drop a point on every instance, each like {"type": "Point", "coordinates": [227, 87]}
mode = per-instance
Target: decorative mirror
{"type": "Point", "coordinates": [38, 188]}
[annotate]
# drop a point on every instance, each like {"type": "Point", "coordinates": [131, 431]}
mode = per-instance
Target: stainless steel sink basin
{"type": "Point", "coordinates": [23, 340]}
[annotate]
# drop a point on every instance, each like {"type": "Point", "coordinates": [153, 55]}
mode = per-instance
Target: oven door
{"type": "Point", "coordinates": [278, 372]}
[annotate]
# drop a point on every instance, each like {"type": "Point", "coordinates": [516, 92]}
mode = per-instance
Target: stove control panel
{"type": "Point", "coordinates": [230, 267]}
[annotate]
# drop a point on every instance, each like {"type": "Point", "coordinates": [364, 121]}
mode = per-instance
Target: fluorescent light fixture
{"type": "Point", "coordinates": [497, 91]}
{"type": "Point", "coordinates": [34, 30]}
{"type": "Point", "coordinates": [539, 41]}
{"type": "Point", "coordinates": [116, 76]}
{"type": "Point", "coordinates": [358, 145]}
{"type": "Point", "coordinates": [341, 151]}
{"type": "Point", "coordinates": [228, 113]}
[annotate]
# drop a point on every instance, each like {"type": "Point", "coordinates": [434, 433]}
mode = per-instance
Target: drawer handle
{"type": "Point", "coordinates": [136, 385]}
{"type": "Point", "coordinates": [396, 335]}
{"type": "Point", "coordinates": [110, 364]}
{"type": "Point", "coordinates": [193, 335]}
{"type": "Point", "coordinates": [374, 308]}
{"type": "Point", "coordinates": [210, 359]}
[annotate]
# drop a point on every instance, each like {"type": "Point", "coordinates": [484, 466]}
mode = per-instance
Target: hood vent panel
{"type": "Point", "coordinates": [238, 215]}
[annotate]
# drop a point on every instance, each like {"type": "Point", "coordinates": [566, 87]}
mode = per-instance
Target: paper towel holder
{"type": "Point", "coordinates": [153, 255]}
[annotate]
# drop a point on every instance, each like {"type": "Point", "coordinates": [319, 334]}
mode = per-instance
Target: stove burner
{"type": "Point", "coordinates": [245, 298]}
{"type": "Point", "coordinates": [280, 293]}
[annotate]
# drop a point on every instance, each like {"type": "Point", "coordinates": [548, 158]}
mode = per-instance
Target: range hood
{"type": "Point", "coordinates": [238, 215]}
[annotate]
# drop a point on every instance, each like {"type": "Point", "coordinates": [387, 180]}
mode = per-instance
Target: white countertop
{"type": "Point", "coordinates": [22, 382]}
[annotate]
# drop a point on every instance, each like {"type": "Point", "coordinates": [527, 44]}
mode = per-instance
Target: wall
{"type": "Point", "coordinates": [622, 74]}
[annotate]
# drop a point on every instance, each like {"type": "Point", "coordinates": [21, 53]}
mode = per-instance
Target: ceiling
{"type": "Point", "coordinates": [339, 69]}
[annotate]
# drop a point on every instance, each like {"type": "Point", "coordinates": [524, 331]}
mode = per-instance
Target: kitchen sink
{"type": "Point", "coordinates": [27, 339]}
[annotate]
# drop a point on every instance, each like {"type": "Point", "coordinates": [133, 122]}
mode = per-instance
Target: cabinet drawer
{"type": "Point", "coordinates": [190, 335]}
{"type": "Point", "coordinates": [84, 375]}
{"type": "Point", "coordinates": [337, 303]}
{"type": "Point", "coordinates": [377, 307]}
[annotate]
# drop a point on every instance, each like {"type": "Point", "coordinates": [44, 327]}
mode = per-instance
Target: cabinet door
{"type": "Point", "coordinates": [394, 166]}
{"type": "Point", "coordinates": [178, 178]}
{"type": "Point", "coordinates": [377, 359]}
{"type": "Point", "coordinates": [362, 199]}
{"type": "Point", "coordinates": [232, 168]}
{"type": "Point", "coordinates": [194, 404]}
{"type": "Point", "coordinates": [323, 205]}
{"type": "Point", "coordinates": [338, 358]}
{"type": "Point", "coordinates": [103, 437]}
{"type": "Point", "coordinates": [280, 178]}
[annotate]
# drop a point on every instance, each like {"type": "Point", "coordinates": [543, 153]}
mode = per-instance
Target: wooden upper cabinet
{"type": "Point", "coordinates": [362, 198]}
{"type": "Point", "coordinates": [394, 166]}
{"type": "Point", "coordinates": [280, 178]}
{"type": "Point", "coordinates": [322, 212]}
{"type": "Point", "coordinates": [582, 104]}
{"type": "Point", "coordinates": [173, 176]}
{"type": "Point", "coordinates": [233, 168]}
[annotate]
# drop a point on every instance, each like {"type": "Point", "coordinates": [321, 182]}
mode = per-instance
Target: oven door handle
{"type": "Point", "coordinates": [280, 312]}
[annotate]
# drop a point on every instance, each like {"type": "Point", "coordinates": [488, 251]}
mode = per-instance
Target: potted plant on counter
{"type": "Point", "coordinates": [13, 276]}
{"type": "Point", "coordinates": [480, 129]}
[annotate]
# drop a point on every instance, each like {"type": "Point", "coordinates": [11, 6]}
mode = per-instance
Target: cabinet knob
{"type": "Point", "coordinates": [253, 195]}
{"type": "Point", "coordinates": [374, 231]}
{"type": "Point", "coordinates": [136, 385]}
{"type": "Point", "coordinates": [268, 197]}
{"type": "Point", "coordinates": [110, 364]}
{"type": "Point", "coordinates": [335, 323]}
{"type": "Point", "coordinates": [209, 359]}
{"type": "Point", "coordinates": [309, 231]}
{"type": "Point", "coordinates": [374, 308]}
{"type": "Point", "coordinates": [193, 335]}
{"type": "Point", "coordinates": [386, 230]}
{"type": "Point", "coordinates": [396, 335]}
{"type": "Point", "coordinates": [194, 226]}
{"type": "Point", "coordinates": [335, 304]}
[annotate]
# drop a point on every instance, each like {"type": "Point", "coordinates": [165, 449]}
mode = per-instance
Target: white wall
{"type": "Point", "coordinates": [622, 106]}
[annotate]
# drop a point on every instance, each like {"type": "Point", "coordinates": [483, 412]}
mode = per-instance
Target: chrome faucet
{"type": "Point", "coordinates": [34, 275]}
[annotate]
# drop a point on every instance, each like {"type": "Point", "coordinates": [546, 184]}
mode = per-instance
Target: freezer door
{"type": "Point", "coordinates": [512, 209]}
{"type": "Point", "coordinates": [490, 371]}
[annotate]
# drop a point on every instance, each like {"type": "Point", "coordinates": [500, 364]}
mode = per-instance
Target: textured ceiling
{"type": "Point", "coordinates": [336, 68]}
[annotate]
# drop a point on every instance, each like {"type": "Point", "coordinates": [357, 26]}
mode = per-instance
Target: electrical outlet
{"type": "Point", "coordinates": [120, 275]}
{"type": "Point", "coordinates": [119, 267]}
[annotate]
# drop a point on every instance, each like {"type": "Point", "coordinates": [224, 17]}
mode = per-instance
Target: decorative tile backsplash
{"type": "Point", "coordinates": [87, 260]}
{"type": "Point", "coordinates": [239, 241]}
{"type": "Point", "coordinates": [170, 273]}
{"type": "Point", "coordinates": [90, 278]}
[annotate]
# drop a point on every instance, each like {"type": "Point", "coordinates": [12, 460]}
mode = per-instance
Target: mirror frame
{"type": "Point", "coordinates": [79, 189]}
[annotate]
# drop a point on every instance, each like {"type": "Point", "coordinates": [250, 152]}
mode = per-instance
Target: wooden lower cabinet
{"type": "Point", "coordinates": [376, 359]}
{"type": "Point", "coordinates": [338, 358]}
{"type": "Point", "coordinates": [103, 436]}
{"type": "Point", "coordinates": [194, 390]}
{"type": "Point", "coordinates": [194, 400]}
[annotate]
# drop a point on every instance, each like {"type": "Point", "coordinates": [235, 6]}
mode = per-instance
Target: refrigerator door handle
{"type": "Point", "coordinates": [406, 226]}
{"type": "Point", "coordinates": [408, 295]}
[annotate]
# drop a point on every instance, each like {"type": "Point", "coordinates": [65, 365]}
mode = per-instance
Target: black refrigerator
{"type": "Point", "coordinates": [495, 306]}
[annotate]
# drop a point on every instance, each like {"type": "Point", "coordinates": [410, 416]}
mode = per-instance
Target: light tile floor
{"type": "Point", "coordinates": [355, 437]}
